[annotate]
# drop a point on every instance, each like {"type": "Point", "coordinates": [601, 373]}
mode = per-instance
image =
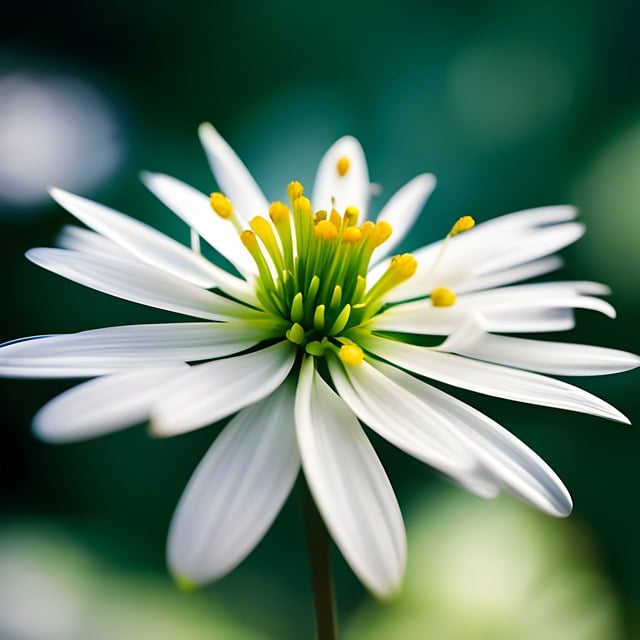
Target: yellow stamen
{"type": "Point", "coordinates": [351, 354]}
{"type": "Point", "coordinates": [462, 224]}
{"type": "Point", "coordinates": [443, 297]}
{"type": "Point", "coordinates": [351, 235]}
{"type": "Point", "coordinates": [336, 219]}
{"type": "Point", "coordinates": [295, 190]}
{"type": "Point", "coordinates": [320, 215]}
{"type": "Point", "coordinates": [221, 205]}
{"type": "Point", "coordinates": [302, 204]}
{"type": "Point", "coordinates": [403, 266]}
{"type": "Point", "coordinates": [351, 215]}
{"type": "Point", "coordinates": [279, 212]}
{"type": "Point", "coordinates": [325, 230]}
{"type": "Point", "coordinates": [382, 232]}
{"type": "Point", "coordinates": [342, 166]}
{"type": "Point", "coordinates": [249, 240]}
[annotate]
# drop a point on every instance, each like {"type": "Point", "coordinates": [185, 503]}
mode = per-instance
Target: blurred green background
{"type": "Point", "coordinates": [511, 104]}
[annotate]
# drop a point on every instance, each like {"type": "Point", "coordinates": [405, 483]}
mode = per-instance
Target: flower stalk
{"type": "Point", "coordinates": [320, 565]}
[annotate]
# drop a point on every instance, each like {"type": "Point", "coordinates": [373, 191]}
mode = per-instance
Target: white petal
{"type": "Point", "coordinates": [137, 283]}
{"type": "Point", "coordinates": [349, 485]}
{"type": "Point", "coordinates": [103, 405]}
{"type": "Point", "coordinates": [194, 208]}
{"type": "Point", "coordinates": [490, 379]}
{"type": "Point", "coordinates": [393, 413]}
{"type": "Point", "coordinates": [141, 240]}
{"type": "Point", "coordinates": [517, 273]}
{"type": "Point", "coordinates": [514, 466]}
{"type": "Point", "coordinates": [86, 241]}
{"type": "Point", "coordinates": [237, 490]}
{"type": "Point", "coordinates": [233, 178]}
{"type": "Point", "coordinates": [525, 308]}
{"type": "Point", "coordinates": [208, 392]}
{"type": "Point", "coordinates": [403, 209]}
{"type": "Point", "coordinates": [333, 190]}
{"type": "Point", "coordinates": [558, 358]}
{"type": "Point", "coordinates": [134, 346]}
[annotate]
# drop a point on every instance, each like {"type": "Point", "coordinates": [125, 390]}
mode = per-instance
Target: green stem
{"type": "Point", "coordinates": [318, 548]}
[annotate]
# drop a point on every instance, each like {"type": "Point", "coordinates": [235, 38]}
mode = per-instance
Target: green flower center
{"type": "Point", "coordinates": [312, 270]}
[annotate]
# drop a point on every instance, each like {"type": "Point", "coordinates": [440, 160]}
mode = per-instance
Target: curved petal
{"type": "Point", "coordinates": [403, 209]}
{"type": "Point", "coordinates": [412, 427]}
{"type": "Point", "coordinates": [139, 283]}
{"type": "Point", "coordinates": [86, 241]}
{"type": "Point", "coordinates": [232, 176]}
{"type": "Point", "coordinates": [208, 392]}
{"type": "Point", "coordinates": [558, 358]}
{"type": "Point", "coordinates": [349, 485]}
{"type": "Point", "coordinates": [331, 190]}
{"type": "Point", "coordinates": [236, 491]}
{"type": "Point", "coordinates": [133, 346]}
{"type": "Point", "coordinates": [522, 303]}
{"type": "Point", "coordinates": [514, 466]}
{"type": "Point", "coordinates": [103, 405]}
{"type": "Point", "coordinates": [490, 379]}
{"type": "Point", "coordinates": [144, 242]}
{"type": "Point", "coordinates": [194, 208]}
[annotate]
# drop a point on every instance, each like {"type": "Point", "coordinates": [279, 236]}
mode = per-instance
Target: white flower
{"type": "Point", "coordinates": [306, 341]}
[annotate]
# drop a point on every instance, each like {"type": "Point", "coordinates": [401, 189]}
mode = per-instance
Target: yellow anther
{"type": "Point", "coordinates": [295, 190]}
{"type": "Point", "coordinates": [320, 215]}
{"type": "Point", "coordinates": [462, 224]}
{"type": "Point", "coordinates": [382, 232]}
{"type": "Point", "coordinates": [351, 354]}
{"type": "Point", "coordinates": [351, 234]}
{"type": "Point", "coordinates": [262, 228]}
{"type": "Point", "coordinates": [367, 227]}
{"type": "Point", "coordinates": [326, 230]}
{"type": "Point", "coordinates": [443, 297]}
{"type": "Point", "coordinates": [403, 266]}
{"type": "Point", "coordinates": [221, 205]}
{"type": "Point", "coordinates": [342, 166]}
{"type": "Point", "coordinates": [351, 216]}
{"type": "Point", "coordinates": [336, 219]}
{"type": "Point", "coordinates": [249, 240]}
{"type": "Point", "coordinates": [302, 204]}
{"type": "Point", "coordinates": [278, 212]}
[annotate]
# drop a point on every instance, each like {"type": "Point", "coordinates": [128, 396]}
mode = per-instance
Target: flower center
{"type": "Point", "coordinates": [312, 269]}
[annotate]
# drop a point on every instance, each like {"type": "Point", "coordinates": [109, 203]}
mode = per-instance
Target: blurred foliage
{"type": "Point", "coordinates": [511, 105]}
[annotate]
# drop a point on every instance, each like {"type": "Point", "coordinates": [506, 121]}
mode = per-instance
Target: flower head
{"type": "Point", "coordinates": [317, 330]}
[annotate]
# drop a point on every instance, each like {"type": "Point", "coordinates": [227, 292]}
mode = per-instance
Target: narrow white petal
{"type": "Point", "coordinates": [518, 273]}
{"type": "Point", "coordinates": [144, 242]}
{"type": "Point", "coordinates": [233, 178]}
{"type": "Point", "coordinates": [103, 405]}
{"type": "Point", "coordinates": [236, 491]}
{"type": "Point", "coordinates": [403, 209]}
{"type": "Point", "coordinates": [491, 379]}
{"type": "Point", "coordinates": [392, 412]}
{"type": "Point", "coordinates": [211, 391]}
{"type": "Point", "coordinates": [558, 358]}
{"type": "Point", "coordinates": [528, 308]}
{"type": "Point", "coordinates": [349, 485]}
{"type": "Point", "coordinates": [131, 346]}
{"type": "Point", "coordinates": [514, 466]}
{"type": "Point", "coordinates": [333, 190]}
{"type": "Point", "coordinates": [194, 208]}
{"type": "Point", "coordinates": [86, 241]}
{"type": "Point", "coordinates": [137, 283]}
